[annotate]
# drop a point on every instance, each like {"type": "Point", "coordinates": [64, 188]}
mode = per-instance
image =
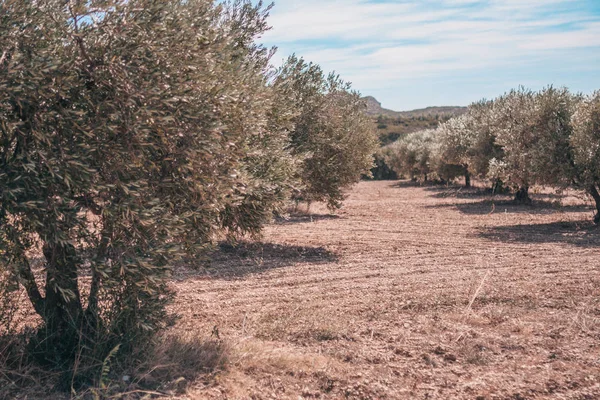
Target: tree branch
{"type": "Point", "coordinates": [24, 274]}
{"type": "Point", "coordinates": [92, 308]}
{"type": "Point", "coordinates": [78, 38]}
{"type": "Point", "coordinates": [27, 279]}
{"type": "Point", "coordinates": [4, 57]}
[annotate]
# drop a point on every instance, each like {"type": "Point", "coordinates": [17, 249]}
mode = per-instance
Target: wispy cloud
{"type": "Point", "coordinates": [382, 45]}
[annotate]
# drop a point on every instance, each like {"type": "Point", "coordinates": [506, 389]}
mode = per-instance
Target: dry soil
{"type": "Point", "coordinates": [408, 292]}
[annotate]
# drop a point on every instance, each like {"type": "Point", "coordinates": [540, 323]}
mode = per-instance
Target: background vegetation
{"type": "Point", "coordinates": [519, 139]}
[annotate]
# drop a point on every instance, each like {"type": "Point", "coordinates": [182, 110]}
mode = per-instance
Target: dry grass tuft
{"type": "Point", "coordinates": [181, 359]}
{"type": "Point", "coordinates": [19, 377]}
{"type": "Point", "coordinates": [253, 355]}
{"type": "Point", "coordinates": [170, 367]}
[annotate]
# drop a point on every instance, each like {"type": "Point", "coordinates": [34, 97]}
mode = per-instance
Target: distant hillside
{"type": "Point", "coordinates": [374, 108]}
{"type": "Point", "coordinates": [391, 125]}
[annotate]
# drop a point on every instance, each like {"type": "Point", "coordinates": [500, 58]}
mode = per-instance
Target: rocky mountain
{"type": "Point", "coordinates": [374, 108]}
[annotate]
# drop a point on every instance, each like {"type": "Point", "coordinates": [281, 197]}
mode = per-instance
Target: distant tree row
{"type": "Point", "coordinates": [390, 129]}
{"type": "Point", "coordinates": [520, 139]}
{"type": "Point", "coordinates": [133, 134]}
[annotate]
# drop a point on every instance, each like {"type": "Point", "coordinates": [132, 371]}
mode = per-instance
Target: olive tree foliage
{"type": "Point", "coordinates": [267, 174]}
{"type": "Point", "coordinates": [332, 136]}
{"type": "Point", "coordinates": [123, 126]}
{"type": "Point", "coordinates": [455, 138]}
{"type": "Point", "coordinates": [523, 138]}
{"type": "Point", "coordinates": [468, 141]}
{"type": "Point", "coordinates": [412, 155]}
{"type": "Point", "coordinates": [484, 146]}
{"type": "Point", "coordinates": [534, 131]}
{"type": "Point", "coordinates": [585, 142]}
{"type": "Point", "coordinates": [444, 171]}
{"type": "Point", "coordinates": [381, 170]}
{"type": "Point", "coordinates": [397, 156]}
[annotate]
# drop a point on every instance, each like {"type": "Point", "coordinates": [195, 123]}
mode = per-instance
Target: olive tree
{"type": "Point", "coordinates": [534, 130]}
{"type": "Point", "coordinates": [585, 141]}
{"type": "Point", "coordinates": [445, 171]}
{"type": "Point", "coordinates": [333, 137]}
{"type": "Point", "coordinates": [467, 142]}
{"type": "Point", "coordinates": [400, 159]}
{"type": "Point", "coordinates": [413, 155]}
{"type": "Point", "coordinates": [484, 146]}
{"type": "Point", "coordinates": [123, 126]}
{"type": "Point", "coordinates": [455, 138]}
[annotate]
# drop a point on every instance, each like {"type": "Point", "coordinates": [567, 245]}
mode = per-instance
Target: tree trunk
{"type": "Point", "coordinates": [27, 279]}
{"type": "Point", "coordinates": [56, 344]}
{"type": "Point", "coordinates": [63, 301]}
{"type": "Point", "coordinates": [24, 272]}
{"type": "Point", "coordinates": [596, 196]}
{"type": "Point", "coordinates": [467, 179]}
{"type": "Point", "coordinates": [497, 186]}
{"type": "Point", "coordinates": [522, 195]}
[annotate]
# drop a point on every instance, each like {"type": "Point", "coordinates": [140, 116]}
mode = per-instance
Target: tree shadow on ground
{"type": "Point", "coordinates": [578, 233]}
{"type": "Point", "coordinates": [298, 218]}
{"type": "Point", "coordinates": [246, 258]}
{"type": "Point", "coordinates": [446, 189]}
{"type": "Point", "coordinates": [508, 206]}
{"type": "Point", "coordinates": [462, 192]}
{"type": "Point", "coordinates": [409, 184]}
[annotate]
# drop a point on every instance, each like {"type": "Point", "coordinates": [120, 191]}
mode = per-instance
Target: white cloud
{"type": "Point", "coordinates": [376, 44]}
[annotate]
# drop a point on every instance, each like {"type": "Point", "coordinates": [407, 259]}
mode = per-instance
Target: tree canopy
{"type": "Point", "coordinates": [521, 138]}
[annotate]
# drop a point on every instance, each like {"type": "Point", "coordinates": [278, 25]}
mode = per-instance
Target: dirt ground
{"type": "Point", "coordinates": [408, 292]}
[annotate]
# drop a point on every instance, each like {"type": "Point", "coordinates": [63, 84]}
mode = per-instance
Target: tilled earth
{"type": "Point", "coordinates": [408, 292]}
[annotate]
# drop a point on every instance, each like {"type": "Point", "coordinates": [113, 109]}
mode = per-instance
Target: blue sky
{"type": "Point", "coordinates": [416, 53]}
